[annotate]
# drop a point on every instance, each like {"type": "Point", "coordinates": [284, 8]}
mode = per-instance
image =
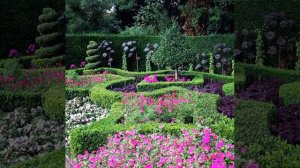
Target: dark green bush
{"type": "Point", "coordinates": [25, 61]}
{"type": "Point", "coordinates": [239, 77]}
{"type": "Point", "coordinates": [75, 46]}
{"type": "Point", "coordinates": [252, 130]}
{"type": "Point", "coordinates": [76, 92]}
{"type": "Point", "coordinates": [11, 100]}
{"type": "Point", "coordinates": [46, 61]}
{"type": "Point", "coordinates": [51, 39]}
{"type": "Point", "coordinates": [290, 93]}
{"type": "Point", "coordinates": [53, 101]}
{"type": "Point", "coordinates": [52, 159]}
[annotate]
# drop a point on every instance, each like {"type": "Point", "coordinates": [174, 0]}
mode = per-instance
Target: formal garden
{"type": "Point", "coordinates": [176, 83]}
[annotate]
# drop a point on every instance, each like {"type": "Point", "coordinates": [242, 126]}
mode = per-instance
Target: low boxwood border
{"type": "Point", "coordinates": [144, 86]}
{"type": "Point", "coordinates": [252, 129]}
{"type": "Point", "coordinates": [101, 95]}
{"type": "Point", "coordinates": [267, 72]}
{"type": "Point", "coordinates": [290, 93]}
{"type": "Point", "coordinates": [10, 100]}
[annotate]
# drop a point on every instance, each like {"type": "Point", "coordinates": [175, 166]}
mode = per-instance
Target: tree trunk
{"type": "Point", "coordinates": [176, 73]}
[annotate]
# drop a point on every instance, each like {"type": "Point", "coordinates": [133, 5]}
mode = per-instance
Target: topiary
{"type": "Point", "coordinates": [51, 39]}
{"type": "Point", "coordinates": [297, 67]}
{"type": "Point", "coordinates": [93, 58]}
{"type": "Point", "coordinates": [259, 49]}
{"type": "Point", "coordinates": [173, 50]}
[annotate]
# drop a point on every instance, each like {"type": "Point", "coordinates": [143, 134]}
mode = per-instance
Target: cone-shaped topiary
{"type": "Point", "coordinates": [51, 39]}
{"type": "Point", "coordinates": [93, 58]}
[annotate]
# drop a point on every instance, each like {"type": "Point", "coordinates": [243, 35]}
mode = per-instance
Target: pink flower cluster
{"type": "Point", "coordinates": [31, 49]}
{"type": "Point", "coordinates": [167, 102]}
{"type": "Point", "coordinates": [82, 64]}
{"type": "Point", "coordinates": [151, 79]}
{"type": "Point", "coordinates": [85, 80]}
{"type": "Point", "coordinates": [32, 80]}
{"type": "Point", "coordinates": [172, 79]}
{"type": "Point", "coordinates": [195, 148]}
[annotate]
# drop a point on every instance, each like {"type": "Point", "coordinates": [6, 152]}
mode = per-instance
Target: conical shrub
{"type": "Point", "coordinates": [93, 58]}
{"type": "Point", "coordinates": [51, 39]}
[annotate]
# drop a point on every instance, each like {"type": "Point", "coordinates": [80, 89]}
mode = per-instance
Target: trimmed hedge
{"type": "Point", "coordinates": [252, 129]}
{"type": "Point", "coordinates": [267, 72]}
{"type": "Point", "coordinates": [52, 159]}
{"type": "Point", "coordinates": [11, 100]}
{"type": "Point", "coordinates": [25, 61]}
{"type": "Point", "coordinates": [239, 77]}
{"type": "Point", "coordinates": [290, 93]}
{"type": "Point", "coordinates": [75, 46]}
{"type": "Point", "coordinates": [76, 92]}
{"type": "Point", "coordinates": [105, 98]}
{"type": "Point", "coordinates": [228, 89]}
{"type": "Point", "coordinates": [53, 101]}
{"type": "Point", "coordinates": [144, 86]}
{"type": "Point", "coordinates": [162, 91]}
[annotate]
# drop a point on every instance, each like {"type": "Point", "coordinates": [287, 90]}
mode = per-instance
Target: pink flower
{"type": "Point", "coordinates": [149, 165]}
{"type": "Point", "coordinates": [13, 53]}
{"type": "Point", "coordinates": [72, 66]}
{"type": "Point", "coordinates": [82, 64]}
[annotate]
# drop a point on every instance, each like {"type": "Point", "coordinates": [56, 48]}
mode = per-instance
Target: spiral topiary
{"type": "Point", "coordinates": [51, 39]}
{"type": "Point", "coordinates": [93, 58]}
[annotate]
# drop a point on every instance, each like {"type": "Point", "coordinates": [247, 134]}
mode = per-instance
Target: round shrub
{"type": "Point", "coordinates": [51, 39]}
{"type": "Point", "coordinates": [53, 101]}
{"type": "Point", "coordinates": [93, 58]}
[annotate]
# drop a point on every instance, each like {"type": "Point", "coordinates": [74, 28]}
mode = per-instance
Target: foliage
{"type": "Point", "coordinates": [290, 93]}
{"type": "Point", "coordinates": [228, 89]}
{"type": "Point", "coordinates": [93, 58]}
{"type": "Point", "coordinates": [36, 132]}
{"type": "Point", "coordinates": [174, 50]}
{"type": "Point", "coordinates": [138, 31]}
{"type": "Point", "coordinates": [51, 39]}
{"type": "Point", "coordinates": [154, 15]}
{"type": "Point", "coordinates": [12, 67]}
{"type": "Point", "coordinates": [53, 101]}
{"type": "Point", "coordinates": [91, 16]}
{"type": "Point", "coordinates": [124, 62]}
{"type": "Point", "coordinates": [130, 50]}
{"type": "Point", "coordinates": [211, 69]}
{"type": "Point", "coordinates": [259, 49]}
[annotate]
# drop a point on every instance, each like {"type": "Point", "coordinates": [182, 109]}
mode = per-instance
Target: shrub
{"type": "Point", "coordinates": [51, 39]}
{"type": "Point", "coordinates": [290, 93]}
{"type": "Point", "coordinates": [93, 59]}
{"type": "Point", "coordinates": [11, 100]}
{"type": "Point", "coordinates": [228, 89]}
{"type": "Point", "coordinates": [53, 101]}
{"type": "Point", "coordinates": [173, 51]}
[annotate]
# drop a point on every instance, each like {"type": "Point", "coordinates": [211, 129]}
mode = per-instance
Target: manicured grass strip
{"type": "Point", "coordinates": [252, 129]}
{"type": "Point", "coordinates": [54, 159]}
{"type": "Point", "coordinates": [290, 93]}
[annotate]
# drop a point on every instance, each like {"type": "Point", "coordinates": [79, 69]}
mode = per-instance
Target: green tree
{"type": "Point", "coordinates": [173, 50]}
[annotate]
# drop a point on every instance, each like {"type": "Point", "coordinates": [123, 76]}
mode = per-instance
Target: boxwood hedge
{"type": "Point", "coordinates": [290, 93]}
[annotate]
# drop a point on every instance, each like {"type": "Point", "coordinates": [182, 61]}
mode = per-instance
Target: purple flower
{"type": "Point", "coordinates": [13, 53]}
{"type": "Point", "coordinates": [82, 64]}
{"type": "Point", "coordinates": [245, 44]}
{"type": "Point", "coordinates": [281, 41]}
{"type": "Point", "coordinates": [272, 50]}
{"type": "Point", "coordinates": [31, 48]}
{"type": "Point", "coordinates": [245, 32]}
{"type": "Point", "coordinates": [270, 35]}
{"type": "Point", "coordinates": [72, 66]}
{"type": "Point", "coordinates": [237, 52]}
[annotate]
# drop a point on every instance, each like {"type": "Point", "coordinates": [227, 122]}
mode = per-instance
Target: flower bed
{"type": "Point", "coordinates": [25, 134]}
{"type": "Point", "coordinates": [195, 148]}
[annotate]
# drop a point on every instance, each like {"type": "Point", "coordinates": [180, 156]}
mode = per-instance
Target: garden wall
{"type": "Point", "coordinates": [76, 46]}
